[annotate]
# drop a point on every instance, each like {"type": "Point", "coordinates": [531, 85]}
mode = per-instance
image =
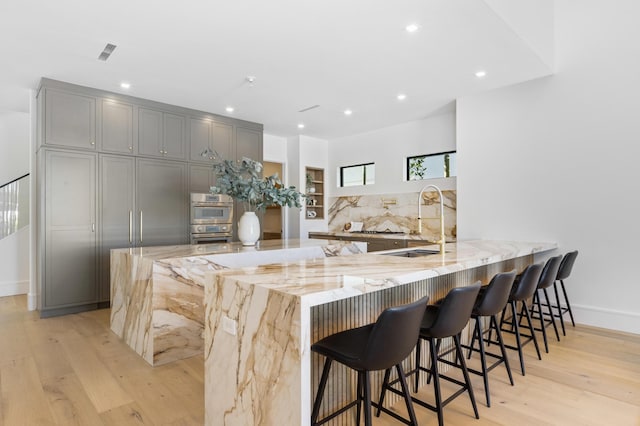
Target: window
{"type": "Point", "coordinates": [431, 166]}
{"type": "Point", "coordinates": [360, 174]}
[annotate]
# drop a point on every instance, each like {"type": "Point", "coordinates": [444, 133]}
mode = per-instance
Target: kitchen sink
{"type": "Point", "coordinates": [412, 253]}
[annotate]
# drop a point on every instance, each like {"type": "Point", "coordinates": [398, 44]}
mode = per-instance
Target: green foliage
{"type": "Point", "coordinates": [417, 168]}
{"type": "Point", "coordinates": [245, 183]}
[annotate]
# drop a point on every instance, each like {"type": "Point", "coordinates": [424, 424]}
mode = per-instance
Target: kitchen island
{"type": "Point", "coordinates": [157, 293]}
{"type": "Point", "coordinates": [260, 322]}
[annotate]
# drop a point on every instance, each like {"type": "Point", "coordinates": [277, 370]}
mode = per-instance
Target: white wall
{"type": "Point", "coordinates": [388, 148]}
{"type": "Point", "coordinates": [14, 145]}
{"type": "Point", "coordinates": [305, 151]}
{"type": "Point", "coordinates": [555, 159]}
{"type": "Point", "coordinates": [14, 162]}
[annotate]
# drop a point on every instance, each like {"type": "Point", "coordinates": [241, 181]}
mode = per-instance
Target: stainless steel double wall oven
{"type": "Point", "coordinates": [211, 218]}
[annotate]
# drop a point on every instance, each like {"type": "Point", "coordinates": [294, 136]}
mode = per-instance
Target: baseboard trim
{"type": "Point", "coordinates": [612, 319]}
{"type": "Point", "coordinates": [13, 288]}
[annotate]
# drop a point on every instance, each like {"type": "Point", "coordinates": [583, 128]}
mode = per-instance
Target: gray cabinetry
{"type": "Point", "coordinates": [201, 178]}
{"type": "Point", "coordinates": [69, 120]}
{"type": "Point", "coordinates": [205, 133]}
{"type": "Point", "coordinates": [117, 127]}
{"type": "Point", "coordinates": [248, 144]}
{"type": "Point", "coordinates": [161, 134]}
{"type": "Point", "coordinates": [115, 171]}
{"type": "Point", "coordinates": [162, 202]}
{"type": "Point", "coordinates": [70, 263]}
{"type": "Point", "coordinates": [117, 209]}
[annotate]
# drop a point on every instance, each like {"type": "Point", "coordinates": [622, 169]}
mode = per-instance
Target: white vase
{"type": "Point", "coordinates": [249, 229]}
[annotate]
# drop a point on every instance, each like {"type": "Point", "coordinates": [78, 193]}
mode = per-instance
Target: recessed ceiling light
{"type": "Point", "coordinates": [481, 73]}
{"type": "Point", "coordinates": [412, 28]}
{"type": "Point", "coordinates": [402, 97]}
{"type": "Point", "coordinates": [125, 85]}
{"type": "Point", "coordinates": [348, 112]}
{"type": "Point", "coordinates": [229, 109]}
{"type": "Point", "coordinates": [301, 126]}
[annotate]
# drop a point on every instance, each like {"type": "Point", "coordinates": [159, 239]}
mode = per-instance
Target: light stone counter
{"type": "Point", "coordinates": [260, 322]}
{"type": "Point", "coordinates": [157, 293]}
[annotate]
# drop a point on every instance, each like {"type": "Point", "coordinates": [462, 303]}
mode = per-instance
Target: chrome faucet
{"type": "Point", "coordinates": [441, 242]}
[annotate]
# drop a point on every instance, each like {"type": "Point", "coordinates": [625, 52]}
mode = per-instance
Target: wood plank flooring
{"type": "Point", "coordinates": [72, 370]}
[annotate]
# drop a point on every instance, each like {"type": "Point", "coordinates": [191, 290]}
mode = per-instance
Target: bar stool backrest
{"type": "Point", "coordinates": [550, 272]}
{"type": "Point", "coordinates": [497, 294]}
{"type": "Point", "coordinates": [528, 282]}
{"type": "Point", "coordinates": [567, 265]}
{"type": "Point", "coordinates": [394, 335]}
{"type": "Point", "coordinates": [454, 311]}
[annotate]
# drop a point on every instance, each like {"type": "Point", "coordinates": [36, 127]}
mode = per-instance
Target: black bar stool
{"type": "Point", "coordinates": [491, 301]}
{"type": "Point", "coordinates": [447, 319]}
{"type": "Point", "coordinates": [378, 346]}
{"type": "Point", "coordinates": [523, 289]}
{"type": "Point", "coordinates": [547, 278]}
{"type": "Point", "coordinates": [563, 273]}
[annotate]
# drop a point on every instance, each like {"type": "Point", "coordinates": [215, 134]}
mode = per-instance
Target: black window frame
{"type": "Point", "coordinates": [408, 162]}
{"type": "Point", "coordinates": [364, 172]}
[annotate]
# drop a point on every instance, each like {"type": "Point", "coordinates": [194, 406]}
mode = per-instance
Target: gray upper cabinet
{"type": "Point", "coordinates": [201, 178]}
{"type": "Point", "coordinates": [248, 144]}
{"type": "Point", "coordinates": [117, 210]}
{"type": "Point", "coordinates": [70, 261]}
{"type": "Point", "coordinates": [206, 133]}
{"type": "Point", "coordinates": [117, 127]}
{"type": "Point", "coordinates": [69, 120]}
{"type": "Point", "coordinates": [162, 202]}
{"type": "Point", "coordinates": [161, 134]}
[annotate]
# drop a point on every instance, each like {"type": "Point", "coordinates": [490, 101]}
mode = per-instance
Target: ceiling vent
{"type": "Point", "coordinates": [309, 108]}
{"type": "Point", "coordinates": [108, 50]}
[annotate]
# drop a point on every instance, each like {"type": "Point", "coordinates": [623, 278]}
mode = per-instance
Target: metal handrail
{"type": "Point", "coordinates": [15, 180]}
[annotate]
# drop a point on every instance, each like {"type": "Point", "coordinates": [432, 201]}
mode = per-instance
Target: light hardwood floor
{"type": "Point", "coordinates": [72, 370]}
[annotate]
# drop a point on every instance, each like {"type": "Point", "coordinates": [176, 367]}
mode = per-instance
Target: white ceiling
{"type": "Point", "coordinates": [338, 54]}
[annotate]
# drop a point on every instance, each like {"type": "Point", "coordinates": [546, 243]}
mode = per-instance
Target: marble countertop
{"type": "Point", "coordinates": [188, 250]}
{"type": "Point", "coordinates": [322, 280]}
{"type": "Point", "coordinates": [388, 236]}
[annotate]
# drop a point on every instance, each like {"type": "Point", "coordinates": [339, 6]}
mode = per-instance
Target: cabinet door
{"type": "Point", "coordinates": [150, 132]}
{"type": "Point", "coordinates": [199, 134]}
{"type": "Point", "coordinates": [117, 177]}
{"type": "Point", "coordinates": [70, 120]}
{"type": "Point", "coordinates": [248, 144]}
{"type": "Point", "coordinates": [162, 202]}
{"type": "Point", "coordinates": [70, 277]}
{"type": "Point", "coordinates": [117, 127]}
{"type": "Point", "coordinates": [222, 140]}
{"type": "Point", "coordinates": [200, 178]}
{"type": "Point", "coordinates": [174, 141]}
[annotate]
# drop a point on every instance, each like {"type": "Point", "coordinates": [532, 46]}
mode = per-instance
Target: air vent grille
{"type": "Point", "coordinates": [309, 108]}
{"type": "Point", "coordinates": [108, 50]}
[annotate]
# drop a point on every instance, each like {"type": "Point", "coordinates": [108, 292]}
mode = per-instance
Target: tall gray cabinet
{"type": "Point", "coordinates": [115, 172]}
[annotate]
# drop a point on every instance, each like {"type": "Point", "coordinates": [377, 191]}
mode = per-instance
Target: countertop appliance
{"type": "Point", "coordinates": [211, 218]}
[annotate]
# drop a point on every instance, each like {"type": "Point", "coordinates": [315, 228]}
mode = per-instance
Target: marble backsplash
{"type": "Point", "coordinates": [395, 212]}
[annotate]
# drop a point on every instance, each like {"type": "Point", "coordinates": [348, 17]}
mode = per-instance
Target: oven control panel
{"type": "Point", "coordinates": [207, 229]}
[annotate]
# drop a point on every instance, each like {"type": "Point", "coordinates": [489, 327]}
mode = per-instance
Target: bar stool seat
{"type": "Point", "coordinates": [547, 278]}
{"type": "Point", "coordinates": [563, 273]}
{"type": "Point", "coordinates": [378, 346]}
{"type": "Point", "coordinates": [523, 289]}
{"type": "Point", "coordinates": [492, 300]}
{"type": "Point", "coordinates": [447, 319]}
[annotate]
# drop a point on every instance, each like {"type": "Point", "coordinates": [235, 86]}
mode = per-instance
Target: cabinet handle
{"type": "Point", "coordinates": [130, 148]}
{"type": "Point", "coordinates": [93, 143]}
{"type": "Point", "coordinates": [130, 226]}
{"type": "Point", "coordinates": [93, 227]}
{"type": "Point", "coordinates": [140, 226]}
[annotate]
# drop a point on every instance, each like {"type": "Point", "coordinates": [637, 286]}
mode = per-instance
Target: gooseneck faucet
{"type": "Point", "coordinates": [441, 242]}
